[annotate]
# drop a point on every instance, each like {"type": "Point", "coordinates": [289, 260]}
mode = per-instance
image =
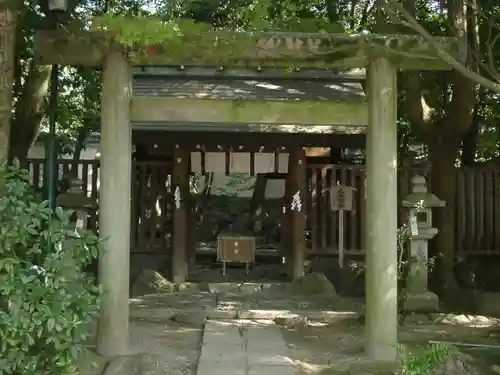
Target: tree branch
{"type": "Point", "coordinates": [459, 66]}
{"type": "Point", "coordinates": [419, 112]}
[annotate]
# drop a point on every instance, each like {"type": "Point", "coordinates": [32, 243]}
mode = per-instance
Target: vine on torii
{"type": "Point", "coordinates": [148, 38]}
{"type": "Point", "coordinates": [156, 41]}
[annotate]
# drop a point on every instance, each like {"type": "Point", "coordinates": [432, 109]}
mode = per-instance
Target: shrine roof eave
{"type": "Point", "coordinates": [224, 112]}
{"type": "Point", "coordinates": [247, 137]}
{"type": "Point", "coordinates": [248, 128]}
{"type": "Point", "coordinates": [212, 72]}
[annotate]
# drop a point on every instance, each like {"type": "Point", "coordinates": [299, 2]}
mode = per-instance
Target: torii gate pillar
{"type": "Point", "coordinates": [381, 211]}
{"type": "Point", "coordinates": [114, 206]}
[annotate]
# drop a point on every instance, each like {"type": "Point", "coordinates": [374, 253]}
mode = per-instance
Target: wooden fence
{"type": "Point", "coordinates": [151, 206]}
{"type": "Point", "coordinates": [477, 206]}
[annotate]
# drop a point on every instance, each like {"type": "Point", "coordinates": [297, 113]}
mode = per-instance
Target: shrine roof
{"type": "Point", "coordinates": [312, 90]}
{"type": "Point", "coordinates": [249, 89]}
{"type": "Point", "coordinates": [313, 84]}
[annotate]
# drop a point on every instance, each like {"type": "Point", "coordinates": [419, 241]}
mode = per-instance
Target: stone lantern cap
{"type": "Point", "coordinates": [420, 196]}
{"type": "Point", "coordinates": [75, 197]}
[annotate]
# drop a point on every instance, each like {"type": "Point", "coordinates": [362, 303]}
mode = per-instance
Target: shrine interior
{"type": "Point", "coordinates": [241, 190]}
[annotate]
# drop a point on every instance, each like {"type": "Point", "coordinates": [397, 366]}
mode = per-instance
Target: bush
{"type": "Point", "coordinates": [47, 300]}
{"type": "Point", "coordinates": [427, 360]}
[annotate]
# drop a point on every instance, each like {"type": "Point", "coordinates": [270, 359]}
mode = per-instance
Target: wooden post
{"type": "Point", "coordinates": [180, 186]}
{"type": "Point", "coordinates": [381, 212]}
{"type": "Point", "coordinates": [192, 240]}
{"type": "Point", "coordinates": [114, 207]}
{"type": "Point", "coordinates": [341, 232]}
{"type": "Point", "coordinates": [285, 242]}
{"type": "Point", "coordinates": [193, 237]}
{"type": "Point", "coordinates": [296, 207]}
{"type": "Point", "coordinates": [8, 21]}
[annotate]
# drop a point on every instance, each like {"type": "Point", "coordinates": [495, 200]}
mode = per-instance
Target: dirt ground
{"type": "Point", "coordinates": [340, 346]}
{"type": "Point", "coordinates": [161, 348]}
{"type": "Point", "coordinates": [166, 331]}
{"type": "Point", "coordinates": [173, 348]}
{"type": "Point", "coordinates": [170, 348]}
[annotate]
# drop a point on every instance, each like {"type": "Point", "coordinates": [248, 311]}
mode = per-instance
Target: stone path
{"type": "Point", "coordinates": [239, 348]}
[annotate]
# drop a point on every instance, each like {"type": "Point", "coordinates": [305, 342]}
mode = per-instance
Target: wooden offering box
{"type": "Point", "coordinates": [235, 249]}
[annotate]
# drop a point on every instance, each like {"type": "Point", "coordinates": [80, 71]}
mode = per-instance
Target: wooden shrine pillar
{"type": "Point", "coordinates": [114, 207]}
{"type": "Point", "coordinates": [295, 214]}
{"type": "Point", "coordinates": [285, 238]}
{"type": "Point", "coordinates": [192, 239]}
{"type": "Point", "coordinates": [180, 206]}
{"type": "Point", "coordinates": [381, 212]}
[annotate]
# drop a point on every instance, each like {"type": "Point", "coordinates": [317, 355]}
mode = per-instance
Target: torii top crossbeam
{"type": "Point", "coordinates": [287, 50]}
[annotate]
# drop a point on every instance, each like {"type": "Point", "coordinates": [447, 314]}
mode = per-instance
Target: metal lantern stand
{"type": "Point", "coordinates": [56, 9]}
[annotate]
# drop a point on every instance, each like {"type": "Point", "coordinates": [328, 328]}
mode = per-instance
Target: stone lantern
{"type": "Point", "coordinates": [75, 199]}
{"type": "Point", "coordinates": [420, 203]}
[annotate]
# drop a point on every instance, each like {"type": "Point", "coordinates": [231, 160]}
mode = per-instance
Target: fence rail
{"type": "Point", "coordinates": [477, 204]}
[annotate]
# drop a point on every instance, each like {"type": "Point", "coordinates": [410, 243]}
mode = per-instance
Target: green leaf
{"type": "Point", "coordinates": [51, 324]}
{"type": "Point", "coordinates": [75, 352]}
{"type": "Point", "coordinates": [60, 213]}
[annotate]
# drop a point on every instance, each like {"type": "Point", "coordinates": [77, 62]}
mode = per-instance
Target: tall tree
{"type": "Point", "coordinates": [31, 81]}
{"type": "Point", "coordinates": [8, 22]}
{"type": "Point", "coordinates": [444, 125]}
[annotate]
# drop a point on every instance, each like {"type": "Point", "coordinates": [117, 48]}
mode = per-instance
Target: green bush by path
{"type": "Point", "coordinates": [47, 300]}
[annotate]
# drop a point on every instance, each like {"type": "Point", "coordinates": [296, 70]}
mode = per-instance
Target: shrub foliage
{"type": "Point", "coordinates": [46, 299]}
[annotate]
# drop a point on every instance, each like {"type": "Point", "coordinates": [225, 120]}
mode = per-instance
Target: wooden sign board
{"type": "Point", "coordinates": [215, 162]}
{"type": "Point", "coordinates": [341, 198]}
{"type": "Point", "coordinates": [239, 162]}
{"type": "Point", "coordinates": [264, 162]}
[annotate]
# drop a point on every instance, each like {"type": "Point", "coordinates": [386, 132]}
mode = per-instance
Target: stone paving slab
{"type": "Point", "coordinates": [223, 349]}
{"type": "Point", "coordinates": [271, 370]}
{"type": "Point", "coordinates": [240, 348]}
{"type": "Point", "coordinates": [220, 368]}
{"type": "Point", "coordinates": [266, 346]}
{"type": "Point", "coordinates": [217, 332]}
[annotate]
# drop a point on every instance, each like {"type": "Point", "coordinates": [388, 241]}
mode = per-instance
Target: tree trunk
{"type": "Point", "coordinates": [443, 132]}
{"type": "Point", "coordinates": [29, 112]}
{"type": "Point", "coordinates": [80, 140]}
{"type": "Point", "coordinates": [8, 20]}
{"type": "Point", "coordinates": [469, 144]}
{"type": "Point", "coordinates": [443, 149]}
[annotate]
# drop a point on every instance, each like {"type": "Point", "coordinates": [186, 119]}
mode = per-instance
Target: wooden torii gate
{"type": "Point", "coordinates": [383, 56]}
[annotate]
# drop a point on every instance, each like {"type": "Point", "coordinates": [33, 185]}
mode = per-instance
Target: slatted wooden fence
{"type": "Point", "coordinates": [477, 205]}
{"type": "Point", "coordinates": [151, 206]}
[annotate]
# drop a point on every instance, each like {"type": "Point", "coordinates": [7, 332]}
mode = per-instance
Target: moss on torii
{"type": "Point", "coordinates": [151, 41]}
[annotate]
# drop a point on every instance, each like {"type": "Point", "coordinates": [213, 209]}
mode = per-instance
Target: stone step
{"type": "Point", "coordinates": [281, 317]}
{"type": "Point", "coordinates": [242, 287]}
